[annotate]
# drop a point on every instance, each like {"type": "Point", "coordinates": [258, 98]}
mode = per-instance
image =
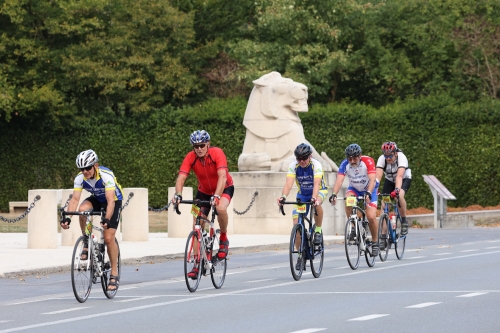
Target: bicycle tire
{"type": "Point", "coordinates": [106, 271]}
{"type": "Point", "coordinates": [370, 261]}
{"type": "Point", "coordinates": [400, 245]}
{"type": "Point", "coordinates": [351, 243]}
{"type": "Point", "coordinates": [190, 260]}
{"type": "Point", "coordinates": [82, 271]}
{"type": "Point", "coordinates": [384, 221]}
{"type": "Point", "coordinates": [318, 256]}
{"type": "Point", "coordinates": [219, 266]}
{"type": "Point", "coordinates": [295, 254]}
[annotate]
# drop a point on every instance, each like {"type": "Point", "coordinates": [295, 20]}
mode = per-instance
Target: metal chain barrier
{"type": "Point", "coordinates": [17, 219]}
{"type": "Point", "coordinates": [130, 196]}
{"type": "Point", "coordinates": [158, 210]}
{"type": "Point", "coordinates": [250, 205]}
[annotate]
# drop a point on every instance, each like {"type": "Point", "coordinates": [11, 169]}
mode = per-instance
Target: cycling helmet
{"type": "Point", "coordinates": [303, 150]}
{"type": "Point", "coordinates": [86, 158]}
{"type": "Point", "coordinates": [199, 137]}
{"type": "Point", "coordinates": [353, 150]}
{"type": "Point", "coordinates": [389, 147]}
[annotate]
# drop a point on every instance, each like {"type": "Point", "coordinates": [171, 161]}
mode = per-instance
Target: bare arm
{"type": "Point", "coordinates": [179, 184]}
{"type": "Point", "coordinates": [371, 184]}
{"type": "Point", "coordinates": [110, 198]}
{"type": "Point", "coordinates": [379, 174]}
{"type": "Point", "coordinates": [288, 186]}
{"type": "Point", "coordinates": [221, 182]}
{"type": "Point", "coordinates": [73, 203]}
{"type": "Point", "coordinates": [399, 177]}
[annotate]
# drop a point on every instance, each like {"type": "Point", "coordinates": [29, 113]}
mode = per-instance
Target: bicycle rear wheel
{"type": "Point", "coordinates": [400, 240]}
{"type": "Point", "coordinates": [297, 260]}
{"type": "Point", "coordinates": [82, 271]}
{"type": "Point", "coordinates": [106, 271]}
{"type": "Point", "coordinates": [351, 242]}
{"type": "Point", "coordinates": [370, 261]}
{"type": "Point", "coordinates": [192, 261]}
{"type": "Point", "coordinates": [218, 271]}
{"type": "Point", "coordinates": [383, 236]}
{"type": "Point", "coordinates": [318, 253]}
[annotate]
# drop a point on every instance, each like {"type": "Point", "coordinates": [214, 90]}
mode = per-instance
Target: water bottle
{"type": "Point", "coordinates": [393, 222]}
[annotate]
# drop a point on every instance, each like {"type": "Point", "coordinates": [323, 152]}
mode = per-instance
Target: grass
{"type": "Point", "coordinates": [157, 223]}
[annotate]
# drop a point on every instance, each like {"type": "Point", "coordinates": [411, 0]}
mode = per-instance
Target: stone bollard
{"type": "Point", "coordinates": [42, 219]}
{"type": "Point", "coordinates": [179, 226]}
{"type": "Point", "coordinates": [135, 217]}
{"type": "Point", "coordinates": [69, 236]}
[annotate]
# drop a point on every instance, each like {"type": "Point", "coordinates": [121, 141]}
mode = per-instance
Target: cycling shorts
{"type": "Point", "coordinates": [97, 206]}
{"type": "Point", "coordinates": [306, 198]}
{"type": "Point", "coordinates": [373, 201]}
{"type": "Point", "coordinates": [205, 208]}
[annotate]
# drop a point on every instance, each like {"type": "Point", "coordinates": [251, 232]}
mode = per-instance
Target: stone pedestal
{"type": "Point", "coordinates": [264, 216]}
{"type": "Point", "coordinates": [42, 219]}
{"type": "Point", "coordinates": [135, 217]}
{"type": "Point", "coordinates": [69, 236]}
{"type": "Point", "coordinates": [179, 226]}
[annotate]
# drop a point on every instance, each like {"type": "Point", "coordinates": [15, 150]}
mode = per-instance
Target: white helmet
{"type": "Point", "coordinates": [86, 158]}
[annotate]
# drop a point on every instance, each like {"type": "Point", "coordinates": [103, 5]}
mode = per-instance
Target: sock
{"type": "Point", "coordinates": [318, 230]}
{"type": "Point", "coordinates": [223, 236]}
{"type": "Point", "coordinates": [403, 219]}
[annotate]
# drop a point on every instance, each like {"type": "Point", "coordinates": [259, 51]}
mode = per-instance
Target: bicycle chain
{"type": "Point", "coordinates": [248, 208]}
{"type": "Point", "coordinates": [17, 219]}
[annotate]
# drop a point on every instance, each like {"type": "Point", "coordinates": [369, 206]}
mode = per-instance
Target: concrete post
{"type": "Point", "coordinates": [179, 226]}
{"type": "Point", "coordinates": [42, 220]}
{"type": "Point", "coordinates": [69, 236]}
{"type": "Point", "coordinates": [135, 217]}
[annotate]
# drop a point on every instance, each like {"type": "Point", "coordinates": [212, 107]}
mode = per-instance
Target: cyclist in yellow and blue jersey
{"type": "Point", "coordinates": [307, 173]}
{"type": "Point", "coordinates": [106, 193]}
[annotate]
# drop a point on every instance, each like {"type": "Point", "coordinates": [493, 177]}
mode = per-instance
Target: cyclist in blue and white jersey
{"type": "Point", "coordinates": [362, 182]}
{"type": "Point", "coordinates": [307, 173]}
{"type": "Point", "coordinates": [105, 193]}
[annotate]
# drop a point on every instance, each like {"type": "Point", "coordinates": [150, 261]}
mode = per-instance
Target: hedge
{"type": "Point", "coordinates": [458, 143]}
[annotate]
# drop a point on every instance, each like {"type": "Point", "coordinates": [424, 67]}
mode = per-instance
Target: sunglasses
{"type": "Point", "coordinates": [352, 158]}
{"type": "Point", "coordinates": [388, 156]}
{"type": "Point", "coordinates": [199, 146]}
{"type": "Point", "coordinates": [302, 158]}
{"type": "Point", "coordinates": [87, 168]}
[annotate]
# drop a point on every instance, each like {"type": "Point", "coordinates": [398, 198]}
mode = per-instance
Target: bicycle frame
{"type": "Point", "coordinates": [360, 231]}
{"type": "Point", "coordinates": [306, 232]}
{"type": "Point", "coordinates": [388, 204]}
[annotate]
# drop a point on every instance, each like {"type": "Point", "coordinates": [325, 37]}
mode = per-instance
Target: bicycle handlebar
{"type": "Point", "coordinates": [196, 202]}
{"type": "Point", "coordinates": [298, 202]}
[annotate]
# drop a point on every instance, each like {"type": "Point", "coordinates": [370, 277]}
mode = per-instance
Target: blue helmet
{"type": "Point", "coordinates": [199, 137]}
{"type": "Point", "coordinates": [353, 150]}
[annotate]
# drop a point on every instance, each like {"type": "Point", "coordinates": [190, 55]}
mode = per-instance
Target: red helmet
{"type": "Point", "coordinates": [389, 147]}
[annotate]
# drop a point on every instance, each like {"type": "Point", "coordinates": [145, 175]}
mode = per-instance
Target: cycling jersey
{"type": "Point", "coordinates": [304, 177]}
{"type": "Point", "coordinates": [206, 171]}
{"type": "Point", "coordinates": [358, 177]}
{"type": "Point", "coordinates": [391, 169]}
{"type": "Point", "coordinates": [104, 180]}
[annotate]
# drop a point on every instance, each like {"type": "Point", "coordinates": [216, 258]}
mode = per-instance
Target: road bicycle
{"type": "Point", "coordinates": [302, 245]}
{"type": "Point", "coordinates": [357, 236]}
{"type": "Point", "coordinates": [200, 255]}
{"type": "Point", "coordinates": [84, 272]}
{"type": "Point", "coordinates": [389, 228]}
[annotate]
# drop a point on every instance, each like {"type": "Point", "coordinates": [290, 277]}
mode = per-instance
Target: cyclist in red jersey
{"type": "Point", "coordinates": [209, 164]}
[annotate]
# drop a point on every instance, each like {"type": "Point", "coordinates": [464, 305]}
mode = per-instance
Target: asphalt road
{"type": "Point", "coordinates": [448, 281]}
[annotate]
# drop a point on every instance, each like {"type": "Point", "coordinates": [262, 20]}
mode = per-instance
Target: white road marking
{"type": "Point", "coordinates": [232, 273]}
{"type": "Point", "coordinates": [443, 246]}
{"type": "Point", "coordinates": [493, 247]}
{"type": "Point", "coordinates": [4, 321]}
{"type": "Point", "coordinates": [442, 254]}
{"type": "Point", "coordinates": [472, 295]}
{"type": "Point", "coordinates": [136, 299]}
{"type": "Point", "coordinates": [255, 281]}
{"type": "Point", "coordinates": [422, 305]}
{"type": "Point", "coordinates": [343, 267]}
{"type": "Point", "coordinates": [236, 292]}
{"type": "Point", "coordinates": [66, 310]}
{"type": "Point", "coordinates": [417, 257]}
{"type": "Point", "coordinates": [127, 288]}
{"type": "Point", "coordinates": [414, 250]}
{"type": "Point", "coordinates": [310, 330]}
{"type": "Point", "coordinates": [471, 250]}
{"type": "Point", "coordinates": [370, 317]}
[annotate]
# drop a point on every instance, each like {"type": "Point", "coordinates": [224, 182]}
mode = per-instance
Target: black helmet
{"type": "Point", "coordinates": [353, 150]}
{"type": "Point", "coordinates": [303, 150]}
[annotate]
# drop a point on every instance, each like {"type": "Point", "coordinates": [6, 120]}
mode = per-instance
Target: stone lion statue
{"type": "Point", "coordinates": [273, 125]}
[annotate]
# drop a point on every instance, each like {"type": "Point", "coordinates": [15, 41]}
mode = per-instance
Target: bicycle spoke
{"type": "Point", "coordinates": [219, 266]}
{"type": "Point", "coordinates": [81, 271]}
{"type": "Point", "coordinates": [351, 241]}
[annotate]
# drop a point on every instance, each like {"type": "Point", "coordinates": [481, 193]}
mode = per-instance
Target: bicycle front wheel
{"type": "Point", "coordinates": [82, 271]}
{"type": "Point", "coordinates": [106, 272]}
{"type": "Point", "coordinates": [351, 242]}
{"type": "Point", "coordinates": [400, 240]}
{"type": "Point", "coordinates": [192, 267]}
{"type": "Point", "coordinates": [383, 236]}
{"type": "Point", "coordinates": [218, 271]}
{"type": "Point", "coordinates": [370, 261]}
{"type": "Point", "coordinates": [318, 254]}
{"type": "Point", "coordinates": [297, 260]}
